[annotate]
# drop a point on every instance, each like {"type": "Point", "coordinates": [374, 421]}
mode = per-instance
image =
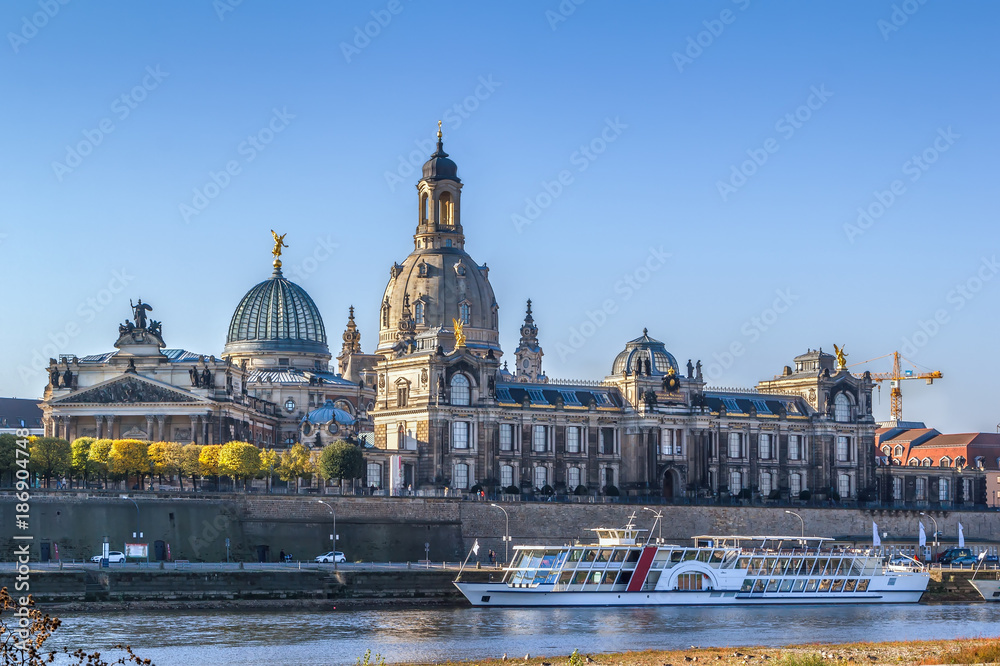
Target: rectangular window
{"type": "Point", "coordinates": [607, 440]}
{"type": "Point", "coordinates": [765, 484]}
{"type": "Point", "coordinates": [506, 437]}
{"type": "Point", "coordinates": [844, 486]}
{"type": "Point", "coordinates": [538, 439]}
{"type": "Point", "coordinates": [506, 476]}
{"type": "Point", "coordinates": [735, 450]}
{"type": "Point", "coordinates": [735, 483]}
{"type": "Point", "coordinates": [374, 475]}
{"type": "Point", "coordinates": [461, 479]}
{"type": "Point", "coordinates": [765, 446]}
{"type": "Point", "coordinates": [794, 448]}
{"type": "Point", "coordinates": [572, 439]}
{"type": "Point", "coordinates": [795, 485]}
{"type": "Point", "coordinates": [921, 489]}
{"type": "Point", "coordinates": [843, 448]}
{"type": "Point", "coordinates": [460, 434]}
{"type": "Point", "coordinates": [897, 488]}
{"type": "Point", "coordinates": [572, 478]}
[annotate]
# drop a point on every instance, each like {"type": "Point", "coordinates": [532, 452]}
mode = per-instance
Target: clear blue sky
{"type": "Point", "coordinates": [533, 89]}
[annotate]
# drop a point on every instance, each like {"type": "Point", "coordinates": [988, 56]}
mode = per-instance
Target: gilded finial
{"type": "Point", "coordinates": [439, 129]}
{"type": "Point", "coordinates": [279, 242]}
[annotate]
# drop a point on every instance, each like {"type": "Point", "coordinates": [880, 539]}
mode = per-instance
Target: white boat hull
{"type": "Point", "coordinates": [990, 589]}
{"type": "Point", "coordinates": [499, 594]}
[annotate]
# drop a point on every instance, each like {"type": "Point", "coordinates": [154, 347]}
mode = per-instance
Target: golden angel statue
{"type": "Point", "coordinates": [459, 333]}
{"type": "Point", "coordinates": [841, 357]}
{"type": "Point", "coordinates": [279, 242]}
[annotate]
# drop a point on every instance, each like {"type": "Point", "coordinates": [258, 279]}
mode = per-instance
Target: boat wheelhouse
{"type": "Point", "coordinates": [624, 568]}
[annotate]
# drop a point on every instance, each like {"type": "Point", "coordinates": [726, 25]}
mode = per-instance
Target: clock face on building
{"type": "Point", "coordinates": [526, 364]}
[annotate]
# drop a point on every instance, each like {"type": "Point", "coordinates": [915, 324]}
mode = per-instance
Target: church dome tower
{"type": "Point", "coordinates": [438, 283]}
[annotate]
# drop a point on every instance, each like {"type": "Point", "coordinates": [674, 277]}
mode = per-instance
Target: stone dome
{"type": "Point", "coordinates": [276, 316]}
{"type": "Point", "coordinates": [639, 351]}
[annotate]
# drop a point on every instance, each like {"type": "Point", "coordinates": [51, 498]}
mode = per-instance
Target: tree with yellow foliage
{"type": "Point", "coordinates": [209, 462]}
{"type": "Point", "coordinates": [190, 463]}
{"type": "Point", "coordinates": [239, 460]}
{"type": "Point", "coordinates": [130, 456]}
{"type": "Point", "coordinates": [268, 462]}
{"type": "Point", "coordinates": [295, 464]}
{"type": "Point", "coordinates": [100, 455]}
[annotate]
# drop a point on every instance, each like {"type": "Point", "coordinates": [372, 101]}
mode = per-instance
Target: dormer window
{"type": "Point", "coordinates": [464, 313]}
{"type": "Point", "coordinates": [422, 269]}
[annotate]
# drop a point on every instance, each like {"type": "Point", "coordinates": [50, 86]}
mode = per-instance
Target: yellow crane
{"type": "Point", "coordinates": [895, 377]}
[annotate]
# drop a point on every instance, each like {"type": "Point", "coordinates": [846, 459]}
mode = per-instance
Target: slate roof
{"type": "Point", "coordinates": [766, 404]}
{"type": "Point", "coordinates": [20, 413]}
{"type": "Point", "coordinates": [548, 395]}
{"type": "Point", "coordinates": [173, 356]}
{"type": "Point", "coordinates": [295, 376]}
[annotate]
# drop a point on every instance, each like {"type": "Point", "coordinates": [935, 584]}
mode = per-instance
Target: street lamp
{"type": "Point", "coordinates": [137, 533]}
{"type": "Point", "coordinates": [335, 535]}
{"type": "Point", "coordinates": [802, 532]}
{"type": "Point", "coordinates": [659, 523]}
{"type": "Point", "coordinates": [506, 533]}
{"type": "Point", "coordinates": [934, 553]}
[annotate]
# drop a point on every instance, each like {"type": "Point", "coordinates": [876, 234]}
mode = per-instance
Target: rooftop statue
{"type": "Point", "coordinates": [459, 333]}
{"type": "Point", "coordinates": [279, 242]}
{"type": "Point", "coordinates": [139, 311]}
{"type": "Point", "coordinates": [841, 357]}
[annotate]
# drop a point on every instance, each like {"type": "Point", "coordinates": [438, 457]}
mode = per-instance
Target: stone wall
{"type": "Point", "coordinates": [396, 529]}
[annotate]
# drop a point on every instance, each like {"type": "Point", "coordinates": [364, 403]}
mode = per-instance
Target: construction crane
{"type": "Point", "coordinates": [895, 377]}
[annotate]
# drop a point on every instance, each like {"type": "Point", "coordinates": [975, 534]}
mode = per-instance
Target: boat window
{"type": "Point", "coordinates": [835, 565]}
{"type": "Point", "coordinates": [589, 555]}
{"type": "Point", "coordinates": [824, 585]}
{"type": "Point", "coordinates": [690, 581]}
{"type": "Point", "coordinates": [772, 585]}
{"type": "Point", "coordinates": [786, 585]}
{"type": "Point", "coordinates": [757, 565]}
{"type": "Point", "coordinates": [651, 580]}
{"type": "Point", "coordinates": [619, 555]}
{"type": "Point", "coordinates": [597, 577]}
{"type": "Point", "coordinates": [747, 585]}
{"type": "Point", "coordinates": [863, 585]}
{"type": "Point", "coordinates": [580, 577]}
{"type": "Point", "coordinates": [798, 585]}
{"type": "Point", "coordinates": [811, 585]}
{"type": "Point", "coordinates": [604, 555]}
{"type": "Point", "coordinates": [633, 555]}
{"type": "Point", "coordinates": [676, 555]}
{"type": "Point", "coordinates": [717, 555]}
{"type": "Point", "coordinates": [810, 567]}
{"type": "Point", "coordinates": [743, 563]}
{"type": "Point", "coordinates": [518, 560]}
{"type": "Point", "coordinates": [690, 554]}
{"type": "Point", "coordinates": [623, 578]}
{"type": "Point", "coordinates": [850, 585]}
{"type": "Point", "coordinates": [575, 554]}
{"type": "Point", "coordinates": [821, 566]}
{"type": "Point", "coordinates": [838, 585]}
{"type": "Point", "coordinates": [703, 555]}
{"type": "Point", "coordinates": [759, 585]}
{"type": "Point", "coordinates": [782, 565]}
{"type": "Point", "coordinates": [565, 577]}
{"type": "Point", "coordinates": [661, 556]}
{"type": "Point", "coordinates": [517, 578]}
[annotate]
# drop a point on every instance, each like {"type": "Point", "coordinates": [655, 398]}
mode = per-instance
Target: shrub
{"type": "Point", "coordinates": [805, 494]}
{"type": "Point", "coordinates": [744, 494]}
{"type": "Point", "coordinates": [774, 494]}
{"type": "Point", "coordinates": [803, 660]}
{"type": "Point", "coordinates": [612, 491]}
{"type": "Point", "coordinates": [512, 490]}
{"type": "Point", "coordinates": [548, 490]}
{"type": "Point", "coordinates": [476, 489]}
{"type": "Point", "coordinates": [580, 490]}
{"type": "Point", "coordinates": [834, 495]}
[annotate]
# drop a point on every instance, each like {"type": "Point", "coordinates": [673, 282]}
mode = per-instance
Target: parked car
{"type": "Point", "coordinates": [334, 556]}
{"type": "Point", "coordinates": [115, 557]}
{"type": "Point", "coordinates": [952, 553]}
{"type": "Point", "coordinates": [965, 560]}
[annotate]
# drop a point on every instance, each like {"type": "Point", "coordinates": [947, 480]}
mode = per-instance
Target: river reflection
{"type": "Point", "coordinates": [340, 637]}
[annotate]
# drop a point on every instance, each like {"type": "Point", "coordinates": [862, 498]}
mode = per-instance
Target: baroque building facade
{"type": "Point", "coordinates": [450, 414]}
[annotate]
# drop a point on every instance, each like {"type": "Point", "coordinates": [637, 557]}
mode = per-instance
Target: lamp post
{"type": "Point", "coordinates": [934, 552]}
{"type": "Point", "coordinates": [802, 532]}
{"type": "Point", "coordinates": [506, 533]}
{"type": "Point", "coordinates": [659, 523]}
{"type": "Point", "coordinates": [335, 535]}
{"type": "Point", "coordinates": [137, 534]}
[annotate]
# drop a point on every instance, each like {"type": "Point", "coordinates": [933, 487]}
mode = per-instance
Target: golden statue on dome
{"type": "Point", "coordinates": [459, 333]}
{"type": "Point", "coordinates": [841, 357]}
{"type": "Point", "coordinates": [279, 242]}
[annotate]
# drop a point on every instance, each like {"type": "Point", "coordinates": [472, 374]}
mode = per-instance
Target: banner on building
{"type": "Point", "coordinates": [137, 550]}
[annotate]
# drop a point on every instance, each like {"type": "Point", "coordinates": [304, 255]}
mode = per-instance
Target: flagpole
{"type": "Point", "coordinates": [475, 547]}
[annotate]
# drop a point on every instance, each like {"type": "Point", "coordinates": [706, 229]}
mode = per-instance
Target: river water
{"type": "Point", "coordinates": [339, 637]}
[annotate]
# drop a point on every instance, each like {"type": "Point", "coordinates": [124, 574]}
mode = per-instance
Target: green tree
{"type": "Point", "coordinates": [100, 455]}
{"type": "Point", "coordinates": [268, 462]}
{"type": "Point", "coordinates": [130, 456]}
{"type": "Point", "coordinates": [8, 455]}
{"type": "Point", "coordinates": [83, 467]}
{"type": "Point", "coordinates": [191, 462]}
{"type": "Point", "coordinates": [50, 456]}
{"type": "Point", "coordinates": [240, 460]}
{"type": "Point", "coordinates": [295, 464]}
{"type": "Point", "coordinates": [341, 460]}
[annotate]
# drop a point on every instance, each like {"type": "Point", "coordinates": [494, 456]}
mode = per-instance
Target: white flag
{"type": "Point", "coordinates": [876, 541]}
{"type": "Point", "coordinates": [923, 535]}
{"type": "Point", "coordinates": [982, 556]}
{"type": "Point", "coordinates": [961, 536]}
{"type": "Point", "coordinates": [475, 547]}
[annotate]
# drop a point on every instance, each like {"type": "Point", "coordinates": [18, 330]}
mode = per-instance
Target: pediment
{"type": "Point", "coordinates": [129, 389]}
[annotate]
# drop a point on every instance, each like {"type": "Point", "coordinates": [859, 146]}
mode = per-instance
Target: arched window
{"type": "Point", "coordinates": [461, 476]}
{"type": "Point", "coordinates": [463, 313]}
{"type": "Point", "coordinates": [943, 490]}
{"type": "Point", "coordinates": [425, 208]}
{"type": "Point", "coordinates": [765, 447]}
{"type": "Point", "coordinates": [418, 313]}
{"type": "Point", "coordinates": [572, 478]}
{"type": "Point", "coordinates": [385, 314]}
{"type": "Point", "coordinates": [541, 477]}
{"type": "Point", "coordinates": [842, 408]}
{"type": "Point", "coordinates": [446, 209]}
{"type": "Point", "coordinates": [794, 485]}
{"type": "Point", "coordinates": [460, 391]}
{"type": "Point", "coordinates": [765, 484]}
{"type": "Point", "coordinates": [506, 475]}
{"type": "Point", "coordinates": [735, 483]}
{"type": "Point", "coordinates": [844, 486]}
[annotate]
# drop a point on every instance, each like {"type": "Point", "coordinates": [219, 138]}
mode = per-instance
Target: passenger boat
{"type": "Point", "coordinates": [990, 589]}
{"type": "Point", "coordinates": [625, 569]}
